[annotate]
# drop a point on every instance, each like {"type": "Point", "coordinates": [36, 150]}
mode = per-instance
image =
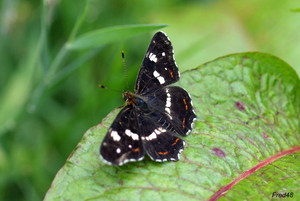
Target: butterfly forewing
{"type": "Point", "coordinates": [158, 68]}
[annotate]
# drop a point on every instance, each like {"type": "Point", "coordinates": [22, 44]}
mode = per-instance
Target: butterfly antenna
{"type": "Point", "coordinates": [104, 87]}
{"type": "Point", "coordinates": [125, 69]}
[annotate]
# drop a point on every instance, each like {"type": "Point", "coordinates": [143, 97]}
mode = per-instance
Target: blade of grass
{"type": "Point", "coordinates": [107, 35]}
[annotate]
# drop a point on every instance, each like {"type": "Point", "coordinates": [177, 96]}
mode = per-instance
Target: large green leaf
{"type": "Point", "coordinates": [245, 144]}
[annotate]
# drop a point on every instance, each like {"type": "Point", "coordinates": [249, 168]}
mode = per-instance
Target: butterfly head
{"type": "Point", "coordinates": [136, 101]}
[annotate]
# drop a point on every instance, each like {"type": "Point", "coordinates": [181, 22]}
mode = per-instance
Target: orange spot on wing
{"type": "Point", "coordinates": [186, 106]}
{"type": "Point", "coordinates": [163, 153]}
{"type": "Point", "coordinates": [183, 123]}
{"type": "Point", "coordinates": [136, 150]}
{"type": "Point", "coordinates": [176, 141]}
{"type": "Point", "coordinates": [171, 73]}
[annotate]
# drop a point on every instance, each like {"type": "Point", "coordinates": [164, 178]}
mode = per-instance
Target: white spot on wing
{"type": "Point", "coordinates": [168, 110]}
{"type": "Point", "coordinates": [156, 74]}
{"type": "Point", "coordinates": [160, 130]}
{"type": "Point", "coordinates": [118, 150]}
{"type": "Point", "coordinates": [161, 80]}
{"type": "Point", "coordinates": [154, 134]}
{"type": "Point", "coordinates": [152, 57]}
{"type": "Point", "coordinates": [168, 101]}
{"type": "Point", "coordinates": [159, 77]}
{"type": "Point", "coordinates": [163, 54]}
{"type": "Point", "coordinates": [115, 136]}
{"type": "Point", "coordinates": [134, 136]}
{"type": "Point", "coordinates": [168, 104]}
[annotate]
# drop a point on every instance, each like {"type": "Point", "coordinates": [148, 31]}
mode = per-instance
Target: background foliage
{"type": "Point", "coordinates": [42, 119]}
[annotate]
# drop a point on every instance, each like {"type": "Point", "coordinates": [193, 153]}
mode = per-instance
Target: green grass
{"type": "Point", "coordinates": [49, 94]}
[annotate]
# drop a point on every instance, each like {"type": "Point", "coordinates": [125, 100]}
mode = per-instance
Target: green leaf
{"type": "Point", "coordinates": [104, 36]}
{"type": "Point", "coordinates": [245, 144]}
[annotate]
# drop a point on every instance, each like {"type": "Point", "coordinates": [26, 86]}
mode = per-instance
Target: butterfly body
{"type": "Point", "coordinates": [155, 116]}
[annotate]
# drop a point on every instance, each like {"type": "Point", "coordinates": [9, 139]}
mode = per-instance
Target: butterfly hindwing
{"type": "Point", "coordinates": [175, 104]}
{"type": "Point", "coordinates": [160, 140]}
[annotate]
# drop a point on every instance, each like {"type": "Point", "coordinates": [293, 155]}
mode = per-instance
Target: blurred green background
{"type": "Point", "coordinates": [42, 119]}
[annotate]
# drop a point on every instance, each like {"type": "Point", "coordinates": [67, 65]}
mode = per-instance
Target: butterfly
{"type": "Point", "coordinates": [155, 116]}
